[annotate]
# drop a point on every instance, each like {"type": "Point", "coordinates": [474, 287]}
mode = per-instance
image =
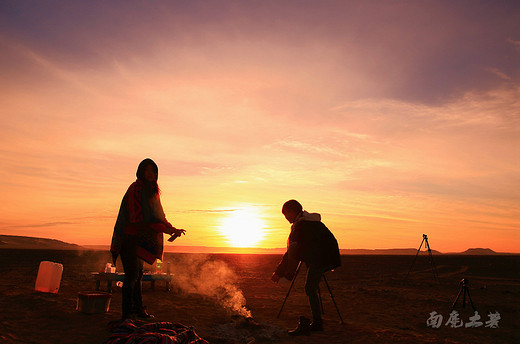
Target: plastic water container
{"type": "Point", "coordinates": [49, 277]}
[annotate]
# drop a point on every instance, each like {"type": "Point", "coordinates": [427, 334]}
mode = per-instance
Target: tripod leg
{"type": "Point", "coordinates": [332, 297]}
{"type": "Point", "coordinates": [457, 299]}
{"type": "Point", "coordinates": [431, 261]}
{"type": "Point", "coordinates": [289, 291]}
{"type": "Point", "coordinates": [470, 300]}
{"type": "Point", "coordinates": [411, 266]}
{"type": "Point", "coordinates": [464, 296]}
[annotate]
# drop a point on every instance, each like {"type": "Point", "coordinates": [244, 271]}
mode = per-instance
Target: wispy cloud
{"type": "Point", "coordinates": [38, 225]}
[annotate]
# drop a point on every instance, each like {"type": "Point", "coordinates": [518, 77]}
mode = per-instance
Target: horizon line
{"type": "Point", "coordinates": [251, 250]}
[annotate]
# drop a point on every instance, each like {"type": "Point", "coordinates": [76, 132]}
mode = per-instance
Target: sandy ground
{"type": "Point", "coordinates": [377, 303]}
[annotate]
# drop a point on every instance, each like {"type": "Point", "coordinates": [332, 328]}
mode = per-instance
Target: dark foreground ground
{"type": "Point", "coordinates": [377, 303]}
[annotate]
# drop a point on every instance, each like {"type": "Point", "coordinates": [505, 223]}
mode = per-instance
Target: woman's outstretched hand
{"type": "Point", "coordinates": [175, 233]}
{"type": "Point", "coordinates": [179, 232]}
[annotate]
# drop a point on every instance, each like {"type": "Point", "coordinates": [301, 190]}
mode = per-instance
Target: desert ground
{"type": "Point", "coordinates": [376, 299]}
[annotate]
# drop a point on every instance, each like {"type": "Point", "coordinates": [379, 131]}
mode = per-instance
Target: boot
{"type": "Point", "coordinates": [143, 314]}
{"type": "Point", "coordinates": [317, 325]}
{"type": "Point", "coordinates": [303, 329]}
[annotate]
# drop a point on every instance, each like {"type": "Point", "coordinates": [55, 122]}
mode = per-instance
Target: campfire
{"type": "Point", "coordinates": [215, 280]}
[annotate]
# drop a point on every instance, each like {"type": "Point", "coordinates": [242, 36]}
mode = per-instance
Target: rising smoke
{"type": "Point", "coordinates": [199, 274]}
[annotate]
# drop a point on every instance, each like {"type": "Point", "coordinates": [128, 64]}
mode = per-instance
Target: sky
{"type": "Point", "coordinates": [389, 118]}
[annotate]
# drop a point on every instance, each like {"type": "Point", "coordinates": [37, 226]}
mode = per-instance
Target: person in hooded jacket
{"type": "Point", "coordinates": [311, 242]}
{"type": "Point", "coordinates": [138, 235]}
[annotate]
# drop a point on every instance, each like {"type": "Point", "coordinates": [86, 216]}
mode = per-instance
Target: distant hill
{"type": "Point", "coordinates": [479, 252]}
{"type": "Point", "coordinates": [23, 242]}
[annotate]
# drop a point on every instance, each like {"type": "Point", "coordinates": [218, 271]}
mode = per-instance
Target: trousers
{"type": "Point", "coordinates": [132, 300]}
{"type": "Point", "coordinates": [314, 275]}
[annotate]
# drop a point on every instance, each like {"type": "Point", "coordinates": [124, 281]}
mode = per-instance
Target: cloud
{"type": "Point", "coordinates": [515, 43]}
{"type": "Point", "coordinates": [211, 211]}
{"type": "Point", "coordinates": [427, 53]}
{"type": "Point", "coordinates": [237, 101]}
{"type": "Point", "coordinates": [39, 225]}
{"type": "Point", "coordinates": [499, 74]}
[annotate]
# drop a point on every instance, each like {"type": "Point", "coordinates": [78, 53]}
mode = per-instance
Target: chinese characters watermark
{"type": "Point", "coordinates": [436, 320]}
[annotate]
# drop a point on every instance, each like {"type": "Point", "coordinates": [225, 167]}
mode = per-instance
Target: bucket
{"type": "Point", "coordinates": [92, 302]}
{"type": "Point", "coordinates": [49, 277]}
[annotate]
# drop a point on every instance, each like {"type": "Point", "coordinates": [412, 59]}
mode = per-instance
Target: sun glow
{"type": "Point", "coordinates": [243, 228]}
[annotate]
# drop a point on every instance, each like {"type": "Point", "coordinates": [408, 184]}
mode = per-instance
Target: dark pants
{"type": "Point", "coordinates": [314, 274]}
{"type": "Point", "coordinates": [133, 266]}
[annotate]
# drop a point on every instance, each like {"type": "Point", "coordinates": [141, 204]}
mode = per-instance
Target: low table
{"type": "Point", "coordinates": [118, 276]}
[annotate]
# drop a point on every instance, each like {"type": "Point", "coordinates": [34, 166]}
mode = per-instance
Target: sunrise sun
{"type": "Point", "coordinates": [243, 228]}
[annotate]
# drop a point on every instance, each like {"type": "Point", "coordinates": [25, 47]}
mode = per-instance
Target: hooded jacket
{"type": "Point", "coordinates": [312, 242]}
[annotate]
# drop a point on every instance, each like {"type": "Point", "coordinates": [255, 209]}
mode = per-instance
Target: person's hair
{"type": "Point", "coordinates": [151, 189]}
{"type": "Point", "coordinates": [292, 206]}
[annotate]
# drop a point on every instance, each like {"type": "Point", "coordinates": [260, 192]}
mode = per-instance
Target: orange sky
{"type": "Point", "coordinates": [389, 120]}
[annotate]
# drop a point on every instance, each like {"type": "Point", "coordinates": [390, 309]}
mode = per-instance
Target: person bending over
{"type": "Point", "coordinates": [311, 242]}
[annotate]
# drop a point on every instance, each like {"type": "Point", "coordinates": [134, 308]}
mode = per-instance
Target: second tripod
{"type": "Point", "coordinates": [464, 290]}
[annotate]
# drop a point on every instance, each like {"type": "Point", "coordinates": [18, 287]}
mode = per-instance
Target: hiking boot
{"type": "Point", "coordinates": [317, 325]}
{"type": "Point", "coordinates": [143, 314]}
{"type": "Point", "coordinates": [303, 329]}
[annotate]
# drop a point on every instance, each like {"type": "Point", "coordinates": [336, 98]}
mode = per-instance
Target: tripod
{"type": "Point", "coordinates": [427, 245]}
{"type": "Point", "coordinates": [463, 290]}
{"type": "Point", "coordinates": [319, 294]}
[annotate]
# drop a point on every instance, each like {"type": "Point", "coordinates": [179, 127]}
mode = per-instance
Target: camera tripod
{"type": "Point", "coordinates": [319, 294]}
{"type": "Point", "coordinates": [430, 256]}
{"type": "Point", "coordinates": [463, 290]}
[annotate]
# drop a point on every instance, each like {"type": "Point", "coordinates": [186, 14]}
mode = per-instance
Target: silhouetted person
{"type": "Point", "coordinates": [138, 235]}
{"type": "Point", "coordinates": [311, 242]}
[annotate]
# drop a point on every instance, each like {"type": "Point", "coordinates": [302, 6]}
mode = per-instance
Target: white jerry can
{"type": "Point", "coordinates": [49, 277]}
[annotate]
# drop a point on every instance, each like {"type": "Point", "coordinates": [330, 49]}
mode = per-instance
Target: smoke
{"type": "Point", "coordinates": [198, 274]}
